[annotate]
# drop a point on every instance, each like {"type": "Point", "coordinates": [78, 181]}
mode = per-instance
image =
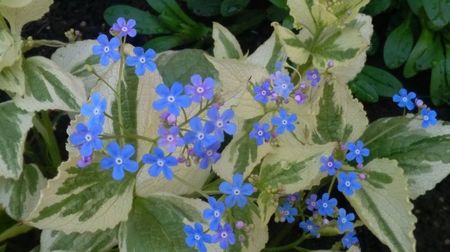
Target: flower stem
{"type": "Point", "coordinates": [104, 81]}
{"type": "Point", "coordinates": [119, 93]}
{"type": "Point", "coordinates": [289, 246]}
{"type": "Point", "coordinates": [331, 184]}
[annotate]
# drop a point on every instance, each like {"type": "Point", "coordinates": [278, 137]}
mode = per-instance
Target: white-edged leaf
{"type": "Point", "coordinates": [12, 79]}
{"type": "Point", "coordinates": [384, 207]}
{"type": "Point", "coordinates": [9, 49]}
{"type": "Point", "coordinates": [294, 48]}
{"type": "Point", "coordinates": [267, 54]}
{"type": "Point", "coordinates": [15, 125]}
{"type": "Point", "coordinates": [225, 43]}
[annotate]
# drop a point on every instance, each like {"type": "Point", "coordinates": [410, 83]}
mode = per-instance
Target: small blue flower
{"type": "Point", "coordinates": [172, 98]}
{"type": "Point", "coordinates": [349, 239]}
{"type": "Point", "coordinates": [260, 133]}
{"type": "Point", "coordinates": [313, 76]}
{"type": "Point", "coordinates": [326, 205]}
{"type": "Point", "coordinates": [294, 197]}
{"type": "Point", "coordinates": [311, 202]}
{"type": "Point", "coordinates": [224, 236]}
{"type": "Point", "coordinates": [344, 221]}
{"type": "Point", "coordinates": [221, 123]}
{"type": "Point", "coordinates": [287, 212]}
{"type": "Point", "coordinates": [160, 163]}
{"type": "Point", "coordinates": [330, 165]}
{"type": "Point", "coordinates": [428, 117]}
{"type": "Point", "coordinates": [119, 160]}
{"type": "Point", "coordinates": [348, 183]}
{"type": "Point", "coordinates": [200, 88]}
{"type": "Point", "coordinates": [262, 92]}
{"type": "Point", "coordinates": [142, 60]}
{"type": "Point", "coordinates": [214, 214]}
{"type": "Point", "coordinates": [208, 155]}
{"type": "Point", "coordinates": [123, 28]}
{"type": "Point", "coordinates": [95, 110]}
{"type": "Point", "coordinates": [404, 99]}
{"type": "Point", "coordinates": [284, 122]}
{"type": "Point", "coordinates": [282, 84]}
{"type": "Point", "coordinates": [310, 227]}
{"type": "Point", "coordinates": [237, 191]}
{"type": "Point", "coordinates": [199, 135]}
{"type": "Point", "coordinates": [357, 151]}
{"type": "Point", "coordinates": [169, 138]}
{"type": "Point", "coordinates": [87, 138]}
{"type": "Point", "coordinates": [195, 237]}
{"type": "Point", "coordinates": [107, 49]}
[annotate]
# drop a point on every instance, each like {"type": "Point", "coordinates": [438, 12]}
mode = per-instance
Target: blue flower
{"type": "Point", "coordinates": [344, 221]}
{"type": "Point", "coordinates": [221, 123]}
{"type": "Point", "coordinates": [142, 60]}
{"type": "Point", "coordinates": [224, 236]}
{"type": "Point", "coordinates": [260, 133]}
{"type": "Point", "coordinates": [404, 99]}
{"type": "Point", "coordinates": [348, 183]}
{"type": "Point", "coordinates": [119, 160]}
{"type": "Point", "coordinates": [262, 92]}
{"type": "Point", "coordinates": [107, 49]}
{"type": "Point", "coordinates": [87, 138]}
{"type": "Point", "coordinates": [160, 163]}
{"type": "Point", "coordinates": [171, 98]}
{"type": "Point", "coordinates": [349, 239]}
{"type": "Point", "coordinates": [208, 155]}
{"type": "Point", "coordinates": [237, 191]}
{"type": "Point", "coordinates": [123, 27]}
{"type": "Point", "coordinates": [326, 205]}
{"type": "Point", "coordinates": [195, 237]}
{"type": "Point", "coordinates": [428, 117]}
{"type": "Point", "coordinates": [287, 212]}
{"type": "Point", "coordinates": [214, 214]}
{"type": "Point", "coordinates": [282, 84]}
{"type": "Point", "coordinates": [199, 134]}
{"type": "Point", "coordinates": [313, 76]}
{"type": "Point", "coordinates": [284, 122]}
{"type": "Point", "coordinates": [310, 227]}
{"type": "Point", "coordinates": [169, 138]}
{"type": "Point", "coordinates": [200, 88]}
{"type": "Point", "coordinates": [330, 165]}
{"type": "Point", "coordinates": [95, 109]}
{"type": "Point", "coordinates": [311, 202]}
{"type": "Point", "coordinates": [357, 151]}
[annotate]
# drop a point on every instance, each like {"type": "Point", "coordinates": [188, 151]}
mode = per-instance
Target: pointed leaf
{"type": "Point", "coordinates": [225, 43]}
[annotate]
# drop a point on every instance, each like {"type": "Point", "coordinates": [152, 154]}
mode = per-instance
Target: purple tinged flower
{"type": "Point", "coordinates": [294, 197]}
{"type": "Point", "coordinates": [107, 49]}
{"type": "Point", "coordinates": [279, 66]}
{"type": "Point", "coordinates": [348, 183]}
{"type": "Point", "coordinates": [195, 237]}
{"type": "Point", "coordinates": [224, 236]}
{"type": "Point", "coordinates": [142, 60]}
{"type": "Point", "coordinates": [428, 117]}
{"type": "Point", "coordinates": [284, 122]}
{"type": "Point", "coordinates": [299, 97]}
{"type": "Point", "coordinates": [313, 76]}
{"type": "Point", "coordinates": [330, 165]}
{"type": "Point", "coordinates": [240, 224]}
{"type": "Point", "coordinates": [123, 28]}
{"type": "Point", "coordinates": [199, 135]}
{"type": "Point", "coordinates": [326, 205]}
{"type": "Point", "coordinates": [119, 160]}
{"type": "Point", "coordinates": [208, 155]}
{"type": "Point", "coordinates": [214, 214]}
{"type": "Point", "coordinates": [404, 99]}
{"type": "Point", "coordinates": [311, 202]}
{"type": "Point", "coordinates": [262, 92]}
{"type": "Point", "coordinates": [199, 88]}
{"type": "Point", "coordinates": [169, 138]}
{"type": "Point", "coordinates": [84, 162]}
{"type": "Point", "coordinates": [310, 227]}
{"type": "Point", "coordinates": [287, 212]}
{"type": "Point", "coordinates": [356, 151]}
{"type": "Point", "coordinates": [86, 138]}
{"type": "Point", "coordinates": [160, 163]}
{"type": "Point", "coordinates": [344, 221]}
{"type": "Point", "coordinates": [95, 109]}
{"type": "Point", "coordinates": [172, 98]}
{"type": "Point", "coordinates": [349, 239]}
{"type": "Point", "coordinates": [282, 84]}
{"type": "Point", "coordinates": [260, 133]}
{"type": "Point", "coordinates": [221, 123]}
{"type": "Point", "coordinates": [237, 191]}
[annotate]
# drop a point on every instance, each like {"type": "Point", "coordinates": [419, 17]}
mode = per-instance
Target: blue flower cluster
{"type": "Point", "coordinates": [237, 192]}
{"type": "Point", "coordinates": [408, 100]}
{"type": "Point", "coordinates": [284, 122]}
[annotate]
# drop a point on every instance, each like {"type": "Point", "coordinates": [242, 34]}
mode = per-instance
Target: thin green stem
{"type": "Point", "coordinates": [196, 114]}
{"type": "Point", "coordinates": [119, 92]}
{"type": "Point", "coordinates": [137, 137]}
{"type": "Point", "coordinates": [195, 189]}
{"type": "Point", "coordinates": [381, 134]}
{"type": "Point", "coordinates": [289, 246]}
{"type": "Point", "coordinates": [104, 81]}
{"type": "Point", "coordinates": [331, 184]}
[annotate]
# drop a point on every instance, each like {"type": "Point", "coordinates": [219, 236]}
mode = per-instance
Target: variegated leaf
{"type": "Point", "coordinates": [268, 54]}
{"type": "Point", "coordinates": [225, 43]}
{"type": "Point", "coordinates": [9, 48]}
{"type": "Point", "coordinates": [12, 79]}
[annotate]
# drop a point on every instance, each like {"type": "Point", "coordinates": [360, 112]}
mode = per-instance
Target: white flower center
{"type": "Point", "coordinates": [344, 220]}
{"type": "Point", "coordinates": [88, 137]}
{"type": "Point", "coordinates": [347, 183]}
{"type": "Point", "coordinates": [170, 138]}
{"type": "Point", "coordinates": [313, 203]}
{"type": "Point", "coordinates": [200, 136]}
{"type": "Point", "coordinates": [142, 60]}
{"type": "Point", "coordinates": [314, 76]}
{"type": "Point", "coordinates": [283, 86]}
{"type": "Point", "coordinates": [357, 151]}
{"type": "Point", "coordinates": [224, 235]}
{"type": "Point", "coordinates": [170, 98]}
{"type": "Point", "coordinates": [309, 227]}
{"type": "Point", "coordinates": [260, 133]}
{"type": "Point", "coordinates": [106, 49]}
{"type": "Point", "coordinates": [263, 92]}
{"type": "Point", "coordinates": [425, 118]}
{"type": "Point", "coordinates": [96, 111]}
{"type": "Point", "coordinates": [119, 161]}
{"type": "Point", "coordinates": [236, 192]}
{"type": "Point", "coordinates": [200, 90]}
{"type": "Point", "coordinates": [284, 122]}
{"type": "Point", "coordinates": [325, 205]}
{"type": "Point", "coordinates": [330, 164]}
{"type": "Point", "coordinates": [124, 29]}
{"type": "Point", "coordinates": [285, 212]}
{"type": "Point", "coordinates": [197, 237]}
{"type": "Point", "coordinates": [219, 124]}
{"type": "Point", "coordinates": [209, 153]}
{"type": "Point", "coordinates": [160, 162]}
{"type": "Point", "coordinates": [404, 99]}
{"type": "Point", "coordinates": [216, 214]}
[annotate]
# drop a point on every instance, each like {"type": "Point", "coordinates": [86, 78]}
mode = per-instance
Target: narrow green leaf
{"type": "Point", "coordinates": [363, 90]}
{"type": "Point", "coordinates": [232, 7]}
{"type": "Point", "coordinates": [164, 43]}
{"type": "Point", "coordinates": [438, 11]}
{"type": "Point", "coordinates": [398, 45]}
{"type": "Point", "coordinates": [440, 78]}
{"type": "Point", "coordinates": [206, 8]}
{"type": "Point", "coordinates": [376, 7]}
{"type": "Point", "coordinates": [423, 50]}
{"type": "Point", "coordinates": [381, 81]}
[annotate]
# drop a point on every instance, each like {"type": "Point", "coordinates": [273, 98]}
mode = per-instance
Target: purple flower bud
{"type": "Point", "coordinates": [181, 159]}
{"type": "Point", "coordinates": [84, 161]}
{"type": "Point", "coordinates": [190, 152]}
{"type": "Point", "coordinates": [216, 105]}
{"type": "Point", "coordinates": [302, 85]}
{"type": "Point", "coordinates": [241, 238]}
{"type": "Point", "coordinates": [240, 224]}
{"type": "Point", "coordinates": [299, 97]}
{"type": "Point", "coordinates": [330, 64]}
{"type": "Point", "coordinates": [343, 147]}
{"type": "Point", "coordinates": [360, 166]}
{"type": "Point", "coordinates": [274, 96]}
{"type": "Point", "coordinates": [163, 116]}
{"type": "Point", "coordinates": [172, 119]}
{"type": "Point", "coordinates": [419, 103]}
{"type": "Point", "coordinates": [325, 221]}
{"type": "Point", "coordinates": [362, 176]}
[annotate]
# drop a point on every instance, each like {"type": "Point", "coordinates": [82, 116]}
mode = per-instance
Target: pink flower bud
{"type": "Point", "coordinates": [172, 119]}
{"type": "Point", "coordinates": [419, 103]}
{"type": "Point", "coordinates": [362, 176]}
{"type": "Point", "coordinates": [360, 166]}
{"type": "Point", "coordinates": [240, 224]}
{"type": "Point", "coordinates": [84, 161]}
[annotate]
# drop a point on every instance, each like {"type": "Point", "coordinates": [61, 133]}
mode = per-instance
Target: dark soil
{"type": "Point", "coordinates": [432, 210]}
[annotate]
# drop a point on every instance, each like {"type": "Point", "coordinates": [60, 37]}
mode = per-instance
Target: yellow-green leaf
{"type": "Point", "coordinates": [225, 43]}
